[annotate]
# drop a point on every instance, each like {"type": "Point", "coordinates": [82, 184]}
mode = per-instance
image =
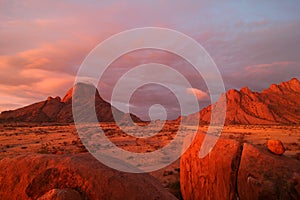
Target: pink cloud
{"type": "Point", "coordinates": [42, 44]}
{"type": "Point", "coordinates": [270, 65]}
{"type": "Point", "coordinates": [201, 95]}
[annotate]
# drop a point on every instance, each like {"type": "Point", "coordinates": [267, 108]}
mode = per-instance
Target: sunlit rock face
{"type": "Point", "coordinates": [279, 104]}
{"type": "Point", "coordinates": [78, 176]}
{"type": "Point", "coordinates": [238, 171]}
{"type": "Point", "coordinates": [60, 110]}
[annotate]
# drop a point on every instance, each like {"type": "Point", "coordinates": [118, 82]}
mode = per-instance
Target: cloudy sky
{"type": "Point", "coordinates": [43, 43]}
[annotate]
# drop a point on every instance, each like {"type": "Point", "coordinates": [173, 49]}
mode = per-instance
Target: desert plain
{"type": "Point", "coordinates": [60, 139]}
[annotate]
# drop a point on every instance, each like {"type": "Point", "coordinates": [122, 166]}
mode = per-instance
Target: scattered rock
{"type": "Point", "coordinates": [276, 147]}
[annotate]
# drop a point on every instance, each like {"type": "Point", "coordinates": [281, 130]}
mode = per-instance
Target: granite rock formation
{"type": "Point", "coordinates": [237, 171]}
{"type": "Point", "coordinates": [279, 104]}
{"type": "Point", "coordinates": [60, 110]}
{"type": "Point", "coordinates": [78, 176]}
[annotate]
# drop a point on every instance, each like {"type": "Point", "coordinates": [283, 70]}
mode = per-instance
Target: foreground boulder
{"type": "Point", "coordinates": [78, 176]}
{"type": "Point", "coordinates": [263, 175]}
{"type": "Point", "coordinates": [214, 176]}
{"type": "Point", "coordinates": [235, 171]}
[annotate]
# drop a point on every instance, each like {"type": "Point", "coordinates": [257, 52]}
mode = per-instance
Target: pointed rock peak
{"type": "Point", "coordinates": [245, 90]}
{"type": "Point", "coordinates": [57, 98]}
{"type": "Point", "coordinates": [294, 81]}
{"type": "Point", "coordinates": [292, 84]}
{"type": "Point", "coordinates": [68, 96]}
{"type": "Point", "coordinates": [83, 88]}
{"type": "Point", "coordinates": [232, 91]}
{"type": "Point", "coordinates": [274, 87]}
{"type": "Point", "coordinates": [233, 95]}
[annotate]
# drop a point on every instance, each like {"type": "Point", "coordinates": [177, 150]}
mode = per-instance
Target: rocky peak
{"type": "Point", "coordinates": [245, 90]}
{"type": "Point", "coordinates": [273, 88]}
{"type": "Point", "coordinates": [294, 85]}
{"type": "Point", "coordinates": [57, 110]}
{"type": "Point", "coordinates": [57, 98]}
{"type": "Point", "coordinates": [267, 107]}
{"type": "Point", "coordinates": [83, 89]}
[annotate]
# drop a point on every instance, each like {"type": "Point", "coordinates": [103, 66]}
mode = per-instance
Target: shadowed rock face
{"type": "Point", "coordinates": [61, 194]}
{"type": "Point", "coordinates": [57, 110]}
{"type": "Point", "coordinates": [280, 104]}
{"type": "Point", "coordinates": [232, 171]}
{"type": "Point", "coordinates": [263, 175]}
{"type": "Point", "coordinates": [78, 176]}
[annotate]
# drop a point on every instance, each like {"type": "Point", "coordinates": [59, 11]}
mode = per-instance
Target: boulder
{"type": "Point", "coordinates": [276, 147]}
{"type": "Point", "coordinates": [234, 171]}
{"type": "Point", "coordinates": [211, 177]}
{"type": "Point", "coordinates": [263, 175]}
{"type": "Point", "coordinates": [81, 176]}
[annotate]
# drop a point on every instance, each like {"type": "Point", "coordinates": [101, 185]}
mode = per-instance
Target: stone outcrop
{"type": "Point", "coordinates": [60, 110]}
{"type": "Point", "coordinates": [214, 176]}
{"type": "Point", "coordinates": [263, 175]}
{"type": "Point", "coordinates": [78, 176]}
{"type": "Point", "coordinates": [276, 147]}
{"type": "Point", "coordinates": [235, 171]}
{"type": "Point", "coordinates": [280, 104]}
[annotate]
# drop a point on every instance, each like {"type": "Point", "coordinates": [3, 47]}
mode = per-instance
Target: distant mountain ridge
{"type": "Point", "coordinates": [60, 110]}
{"type": "Point", "coordinates": [279, 104]}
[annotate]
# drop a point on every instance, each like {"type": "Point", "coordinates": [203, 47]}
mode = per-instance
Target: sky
{"type": "Point", "coordinates": [43, 43]}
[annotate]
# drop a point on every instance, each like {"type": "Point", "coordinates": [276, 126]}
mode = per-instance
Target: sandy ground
{"type": "Point", "coordinates": [16, 139]}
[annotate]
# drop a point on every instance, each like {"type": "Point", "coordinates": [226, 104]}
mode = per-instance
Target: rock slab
{"type": "Point", "coordinates": [212, 177]}
{"type": "Point", "coordinates": [80, 176]}
{"type": "Point", "coordinates": [263, 175]}
{"type": "Point", "coordinates": [235, 171]}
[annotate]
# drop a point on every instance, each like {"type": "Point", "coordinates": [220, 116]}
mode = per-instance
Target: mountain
{"type": "Point", "coordinates": [279, 104]}
{"type": "Point", "coordinates": [60, 110]}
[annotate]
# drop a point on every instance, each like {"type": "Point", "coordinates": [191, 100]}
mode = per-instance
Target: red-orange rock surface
{"type": "Point", "coordinates": [263, 175]}
{"type": "Point", "coordinates": [212, 177]}
{"type": "Point", "coordinates": [280, 104]}
{"type": "Point", "coordinates": [57, 110]}
{"type": "Point", "coordinates": [41, 176]}
{"type": "Point", "coordinates": [232, 171]}
{"type": "Point", "coordinates": [276, 147]}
